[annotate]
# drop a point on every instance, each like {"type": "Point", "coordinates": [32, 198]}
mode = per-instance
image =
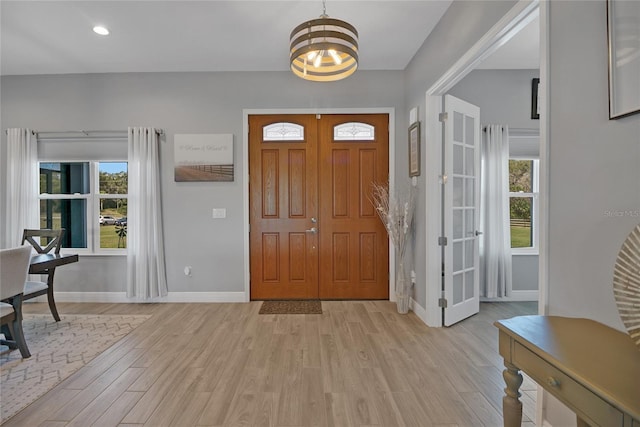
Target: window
{"type": "Point", "coordinates": [523, 201]}
{"type": "Point", "coordinates": [353, 131]}
{"type": "Point", "coordinates": [283, 131]}
{"type": "Point", "coordinates": [89, 200]}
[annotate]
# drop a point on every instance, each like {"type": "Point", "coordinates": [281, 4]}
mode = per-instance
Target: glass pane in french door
{"type": "Point", "coordinates": [463, 209]}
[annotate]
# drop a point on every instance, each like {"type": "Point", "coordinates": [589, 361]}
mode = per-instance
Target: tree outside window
{"type": "Point", "coordinates": [112, 186]}
{"type": "Point", "coordinates": [89, 200]}
{"type": "Point", "coordinates": [523, 191]}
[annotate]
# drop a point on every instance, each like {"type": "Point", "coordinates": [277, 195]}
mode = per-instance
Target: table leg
{"type": "Point", "coordinates": [511, 405]}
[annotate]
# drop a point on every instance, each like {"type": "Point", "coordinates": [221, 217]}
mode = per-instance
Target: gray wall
{"type": "Point", "coordinates": [504, 97]}
{"type": "Point", "coordinates": [525, 272]}
{"type": "Point", "coordinates": [183, 103]}
{"type": "Point", "coordinates": [593, 167]}
{"type": "Point", "coordinates": [593, 171]}
{"type": "Point", "coordinates": [460, 28]}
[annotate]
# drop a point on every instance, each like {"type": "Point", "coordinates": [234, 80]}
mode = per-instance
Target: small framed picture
{"type": "Point", "coordinates": [414, 149]}
{"type": "Point", "coordinates": [535, 107]}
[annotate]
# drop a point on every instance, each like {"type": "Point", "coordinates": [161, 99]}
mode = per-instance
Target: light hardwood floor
{"type": "Point", "coordinates": [357, 364]}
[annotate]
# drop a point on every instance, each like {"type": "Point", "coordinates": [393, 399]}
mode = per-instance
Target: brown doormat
{"type": "Point", "coordinates": [291, 307]}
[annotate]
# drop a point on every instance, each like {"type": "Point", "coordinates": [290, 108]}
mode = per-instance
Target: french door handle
{"type": "Point", "coordinates": [312, 230]}
{"type": "Point", "coordinates": [478, 233]}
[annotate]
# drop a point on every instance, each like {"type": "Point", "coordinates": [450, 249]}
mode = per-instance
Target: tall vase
{"type": "Point", "coordinates": [403, 287]}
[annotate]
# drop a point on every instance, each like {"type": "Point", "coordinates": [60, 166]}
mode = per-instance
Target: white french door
{"type": "Point", "coordinates": [461, 210]}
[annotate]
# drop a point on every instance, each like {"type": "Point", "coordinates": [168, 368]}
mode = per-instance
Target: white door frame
{"type": "Point", "coordinates": [245, 176]}
{"type": "Point", "coordinates": [518, 17]}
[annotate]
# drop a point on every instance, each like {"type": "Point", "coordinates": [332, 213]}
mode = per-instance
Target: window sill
{"type": "Point", "coordinates": [519, 253]}
{"type": "Point", "coordinates": [92, 254]}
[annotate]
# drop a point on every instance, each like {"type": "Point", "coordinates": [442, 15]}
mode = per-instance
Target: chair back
{"type": "Point", "coordinates": [14, 265]}
{"type": "Point", "coordinates": [54, 239]}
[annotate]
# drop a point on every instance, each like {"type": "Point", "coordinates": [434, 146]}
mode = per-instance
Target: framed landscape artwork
{"type": "Point", "coordinates": [203, 157]}
{"type": "Point", "coordinates": [623, 29]}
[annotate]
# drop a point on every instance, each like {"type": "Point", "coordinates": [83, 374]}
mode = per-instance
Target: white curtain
{"type": "Point", "coordinates": [495, 244]}
{"type": "Point", "coordinates": [146, 275]}
{"type": "Point", "coordinates": [21, 186]}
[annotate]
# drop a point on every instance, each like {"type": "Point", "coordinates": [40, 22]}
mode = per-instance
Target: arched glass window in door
{"type": "Point", "coordinates": [283, 131]}
{"type": "Point", "coordinates": [354, 131]}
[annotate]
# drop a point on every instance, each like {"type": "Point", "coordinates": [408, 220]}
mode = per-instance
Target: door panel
{"type": "Point", "coordinates": [270, 191]}
{"type": "Point", "coordinates": [283, 199]}
{"type": "Point", "coordinates": [462, 161]}
{"type": "Point", "coordinates": [314, 232]}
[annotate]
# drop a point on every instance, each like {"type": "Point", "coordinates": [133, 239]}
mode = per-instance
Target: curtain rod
{"type": "Point", "coordinates": [86, 133]}
{"type": "Point", "coordinates": [519, 132]}
{"type": "Point", "coordinates": [90, 132]}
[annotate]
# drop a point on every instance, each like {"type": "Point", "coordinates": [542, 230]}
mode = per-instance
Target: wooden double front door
{"type": "Point", "coordinates": [313, 230]}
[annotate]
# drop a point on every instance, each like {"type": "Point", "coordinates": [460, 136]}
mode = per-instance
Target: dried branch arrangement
{"type": "Point", "coordinates": [396, 213]}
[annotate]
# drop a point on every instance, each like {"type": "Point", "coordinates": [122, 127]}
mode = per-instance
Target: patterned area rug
{"type": "Point", "coordinates": [291, 307]}
{"type": "Point", "coordinates": [58, 349]}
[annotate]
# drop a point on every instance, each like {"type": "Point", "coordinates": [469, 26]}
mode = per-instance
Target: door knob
{"type": "Point", "coordinates": [312, 230]}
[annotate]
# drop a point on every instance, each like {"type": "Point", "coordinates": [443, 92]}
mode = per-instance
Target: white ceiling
{"type": "Point", "coordinates": [56, 37]}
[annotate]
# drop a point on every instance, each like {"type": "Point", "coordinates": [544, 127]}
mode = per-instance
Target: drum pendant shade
{"type": "Point", "coordinates": [324, 49]}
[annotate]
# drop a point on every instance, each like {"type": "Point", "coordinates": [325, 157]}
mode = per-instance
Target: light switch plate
{"type": "Point", "coordinates": [218, 213]}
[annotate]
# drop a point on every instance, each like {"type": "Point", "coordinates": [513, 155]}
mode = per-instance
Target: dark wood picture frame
{"type": "Point", "coordinates": [624, 64]}
{"type": "Point", "coordinates": [414, 149]}
{"type": "Point", "coordinates": [535, 112]}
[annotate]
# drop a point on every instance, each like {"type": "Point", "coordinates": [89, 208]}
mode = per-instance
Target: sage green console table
{"type": "Point", "coordinates": [590, 367]}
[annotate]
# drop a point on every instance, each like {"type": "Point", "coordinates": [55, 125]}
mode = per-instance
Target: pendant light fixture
{"type": "Point", "coordinates": [324, 49]}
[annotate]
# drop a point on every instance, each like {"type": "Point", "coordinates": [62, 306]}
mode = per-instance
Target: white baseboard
{"type": "Point", "coordinates": [195, 297]}
{"type": "Point", "coordinates": [515, 296]}
{"type": "Point", "coordinates": [121, 297]}
{"type": "Point", "coordinates": [419, 311]}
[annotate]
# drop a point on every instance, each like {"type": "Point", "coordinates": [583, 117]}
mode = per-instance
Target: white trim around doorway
{"type": "Point", "coordinates": [517, 18]}
{"type": "Point", "coordinates": [245, 175]}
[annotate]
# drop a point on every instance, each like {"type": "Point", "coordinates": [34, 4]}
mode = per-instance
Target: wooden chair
{"type": "Point", "coordinates": [54, 239]}
{"type": "Point", "coordinates": [34, 289]}
{"type": "Point", "coordinates": [14, 265]}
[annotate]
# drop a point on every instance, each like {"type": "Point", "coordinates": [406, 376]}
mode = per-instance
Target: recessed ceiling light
{"type": "Point", "coordinates": [99, 29]}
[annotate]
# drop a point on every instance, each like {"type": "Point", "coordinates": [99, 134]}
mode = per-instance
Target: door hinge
{"type": "Point", "coordinates": [443, 117]}
{"type": "Point", "coordinates": [442, 302]}
{"type": "Point", "coordinates": [442, 241]}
